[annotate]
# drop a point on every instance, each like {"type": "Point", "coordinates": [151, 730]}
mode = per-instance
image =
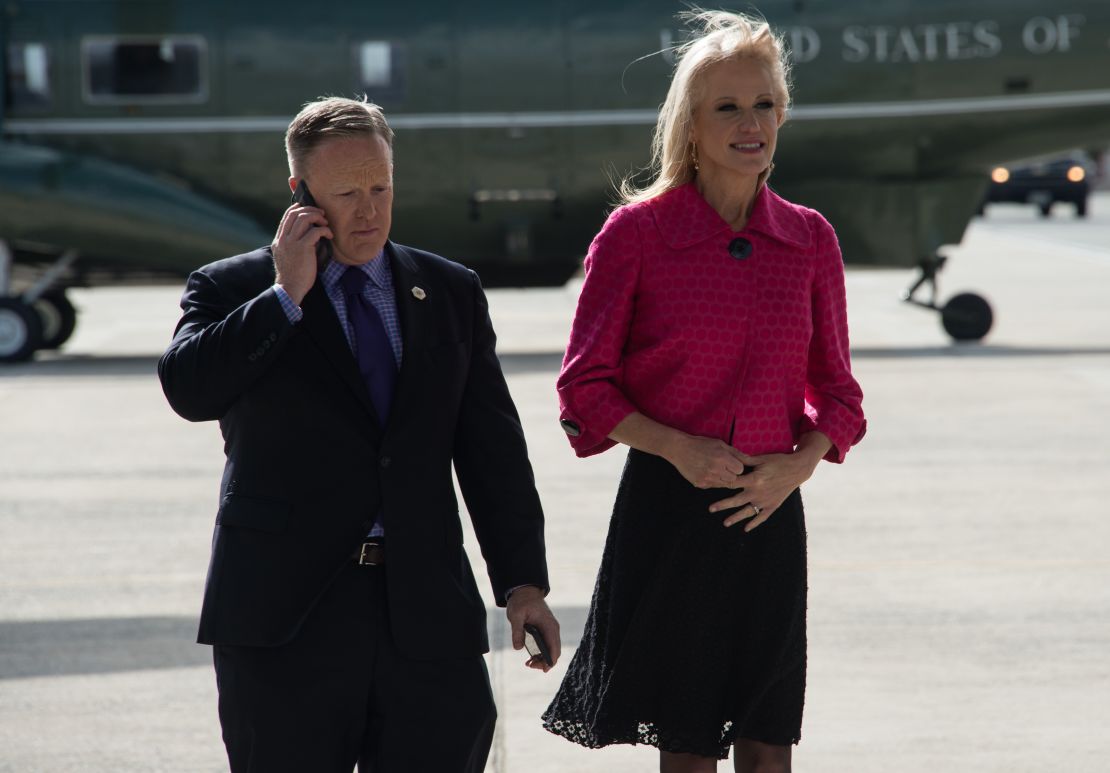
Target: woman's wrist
{"type": "Point", "coordinates": [812, 447]}
{"type": "Point", "coordinates": [670, 444]}
{"type": "Point", "coordinates": [644, 434]}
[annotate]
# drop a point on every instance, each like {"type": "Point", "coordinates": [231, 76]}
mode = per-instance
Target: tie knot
{"type": "Point", "coordinates": [353, 280]}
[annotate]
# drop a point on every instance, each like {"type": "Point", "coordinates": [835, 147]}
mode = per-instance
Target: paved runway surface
{"type": "Point", "coordinates": [960, 585]}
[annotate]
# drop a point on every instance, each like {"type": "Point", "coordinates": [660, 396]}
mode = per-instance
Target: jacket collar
{"type": "Point", "coordinates": [684, 218]}
{"type": "Point", "coordinates": [412, 308]}
{"type": "Point", "coordinates": [415, 302]}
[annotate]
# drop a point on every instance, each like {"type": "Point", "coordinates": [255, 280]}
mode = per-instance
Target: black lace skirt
{"type": "Point", "coordinates": [696, 633]}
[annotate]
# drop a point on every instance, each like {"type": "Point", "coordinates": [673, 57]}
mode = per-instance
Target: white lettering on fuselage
{"type": "Point", "coordinates": [940, 41]}
{"type": "Point", "coordinates": [805, 44]}
{"type": "Point", "coordinates": [952, 41]}
{"type": "Point", "coordinates": [1042, 35]}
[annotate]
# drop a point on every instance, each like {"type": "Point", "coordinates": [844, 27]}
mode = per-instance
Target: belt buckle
{"type": "Point", "coordinates": [371, 554]}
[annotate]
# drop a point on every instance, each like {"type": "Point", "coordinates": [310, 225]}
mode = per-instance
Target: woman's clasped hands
{"type": "Point", "coordinates": [762, 482]}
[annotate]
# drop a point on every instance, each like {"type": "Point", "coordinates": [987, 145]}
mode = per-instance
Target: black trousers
{"type": "Point", "coordinates": [340, 693]}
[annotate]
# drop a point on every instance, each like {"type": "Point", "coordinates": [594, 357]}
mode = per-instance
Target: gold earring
{"type": "Point", "coordinates": [694, 155]}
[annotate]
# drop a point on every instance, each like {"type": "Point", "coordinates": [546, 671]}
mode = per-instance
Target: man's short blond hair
{"type": "Point", "coordinates": [330, 118]}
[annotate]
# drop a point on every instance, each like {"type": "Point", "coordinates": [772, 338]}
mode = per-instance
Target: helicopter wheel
{"type": "Point", "coordinates": [20, 330]}
{"type": "Point", "coordinates": [967, 317]}
{"type": "Point", "coordinates": [59, 319]}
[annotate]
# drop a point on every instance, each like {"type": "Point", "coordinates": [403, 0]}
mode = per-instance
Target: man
{"type": "Point", "coordinates": [345, 619]}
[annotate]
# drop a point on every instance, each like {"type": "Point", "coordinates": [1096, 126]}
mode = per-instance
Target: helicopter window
{"type": "Point", "coordinates": [380, 68]}
{"type": "Point", "coordinates": [28, 76]}
{"type": "Point", "coordinates": [149, 69]}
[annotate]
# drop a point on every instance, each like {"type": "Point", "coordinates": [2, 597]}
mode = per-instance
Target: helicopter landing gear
{"type": "Point", "coordinates": [965, 317]}
{"type": "Point", "coordinates": [41, 317]}
{"type": "Point", "coordinates": [20, 330]}
{"type": "Point", "coordinates": [59, 318]}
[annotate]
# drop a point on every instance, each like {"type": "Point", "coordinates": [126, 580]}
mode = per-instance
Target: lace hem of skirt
{"type": "Point", "coordinates": [647, 734]}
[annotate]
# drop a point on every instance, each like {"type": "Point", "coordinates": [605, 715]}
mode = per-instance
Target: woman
{"type": "Point", "coordinates": [711, 338]}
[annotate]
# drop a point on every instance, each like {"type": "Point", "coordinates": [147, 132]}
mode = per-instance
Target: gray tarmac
{"type": "Point", "coordinates": [959, 613]}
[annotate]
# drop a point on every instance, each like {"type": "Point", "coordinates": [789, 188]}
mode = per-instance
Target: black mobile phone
{"type": "Point", "coordinates": [536, 644]}
{"type": "Point", "coordinates": [304, 197]}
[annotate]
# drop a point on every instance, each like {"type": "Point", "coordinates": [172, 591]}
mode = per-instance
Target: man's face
{"type": "Point", "coordinates": [351, 179]}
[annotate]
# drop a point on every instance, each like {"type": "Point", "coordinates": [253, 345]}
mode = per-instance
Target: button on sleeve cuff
{"type": "Point", "coordinates": [591, 436]}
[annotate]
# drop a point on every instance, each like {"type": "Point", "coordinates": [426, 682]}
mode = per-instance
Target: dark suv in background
{"type": "Point", "coordinates": [1043, 183]}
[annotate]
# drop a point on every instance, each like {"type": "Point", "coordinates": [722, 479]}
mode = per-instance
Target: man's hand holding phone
{"type": "Point", "coordinates": [530, 618]}
{"type": "Point", "coordinates": [296, 259]}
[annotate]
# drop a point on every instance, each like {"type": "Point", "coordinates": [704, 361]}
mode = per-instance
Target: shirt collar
{"type": "Point", "coordinates": [377, 270]}
{"type": "Point", "coordinates": [685, 218]}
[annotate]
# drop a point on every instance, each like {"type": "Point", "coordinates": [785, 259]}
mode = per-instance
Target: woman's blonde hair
{"type": "Point", "coordinates": [721, 36]}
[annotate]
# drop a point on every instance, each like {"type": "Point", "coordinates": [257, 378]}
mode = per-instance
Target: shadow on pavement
{"type": "Point", "coordinates": [147, 365]}
{"type": "Point", "coordinates": [109, 645]}
{"type": "Point", "coordinates": [97, 646]}
{"type": "Point", "coordinates": [975, 350]}
{"type": "Point", "coordinates": [84, 365]}
{"type": "Point", "coordinates": [516, 363]}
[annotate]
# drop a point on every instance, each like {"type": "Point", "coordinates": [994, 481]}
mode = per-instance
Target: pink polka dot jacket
{"type": "Point", "coordinates": [752, 351]}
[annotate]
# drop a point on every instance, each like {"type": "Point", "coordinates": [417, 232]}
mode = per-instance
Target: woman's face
{"type": "Point", "coordinates": [736, 121]}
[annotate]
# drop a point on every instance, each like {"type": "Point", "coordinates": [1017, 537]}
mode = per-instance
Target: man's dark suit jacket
{"type": "Point", "coordinates": [309, 466]}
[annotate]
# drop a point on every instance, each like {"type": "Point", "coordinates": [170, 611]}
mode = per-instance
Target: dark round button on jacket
{"type": "Point", "coordinates": [740, 248]}
{"type": "Point", "coordinates": [385, 461]}
{"type": "Point", "coordinates": [570, 427]}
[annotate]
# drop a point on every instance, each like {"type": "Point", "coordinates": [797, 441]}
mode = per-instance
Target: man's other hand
{"type": "Point", "coordinates": [526, 605]}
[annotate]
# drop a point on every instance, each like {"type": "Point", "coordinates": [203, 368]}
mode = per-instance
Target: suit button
{"type": "Point", "coordinates": [385, 461]}
{"type": "Point", "coordinates": [252, 356]}
{"type": "Point", "coordinates": [570, 427]}
{"type": "Point", "coordinates": [273, 337]}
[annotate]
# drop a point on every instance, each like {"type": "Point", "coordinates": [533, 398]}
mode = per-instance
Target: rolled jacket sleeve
{"type": "Point", "coordinates": [591, 401]}
{"type": "Point", "coordinates": [833, 398]}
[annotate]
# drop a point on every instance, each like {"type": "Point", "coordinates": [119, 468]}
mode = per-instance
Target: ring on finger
{"type": "Point", "coordinates": [756, 509]}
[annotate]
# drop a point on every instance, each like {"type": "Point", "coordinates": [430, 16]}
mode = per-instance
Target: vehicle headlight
{"type": "Point", "coordinates": [1000, 174]}
{"type": "Point", "coordinates": [1076, 174]}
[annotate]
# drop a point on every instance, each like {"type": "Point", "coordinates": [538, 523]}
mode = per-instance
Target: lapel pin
{"type": "Point", "coordinates": [418, 293]}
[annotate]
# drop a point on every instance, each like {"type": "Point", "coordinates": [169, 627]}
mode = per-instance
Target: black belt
{"type": "Point", "coordinates": [370, 553]}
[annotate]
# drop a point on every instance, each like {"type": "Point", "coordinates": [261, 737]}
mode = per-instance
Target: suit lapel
{"type": "Point", "coordinates": [412, 311]}
{"type": "Point", "coordinates": [322, 324]}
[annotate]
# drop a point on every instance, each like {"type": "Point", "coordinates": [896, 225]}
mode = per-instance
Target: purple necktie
{"type": "Point", "coordinates": [372, 348]}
